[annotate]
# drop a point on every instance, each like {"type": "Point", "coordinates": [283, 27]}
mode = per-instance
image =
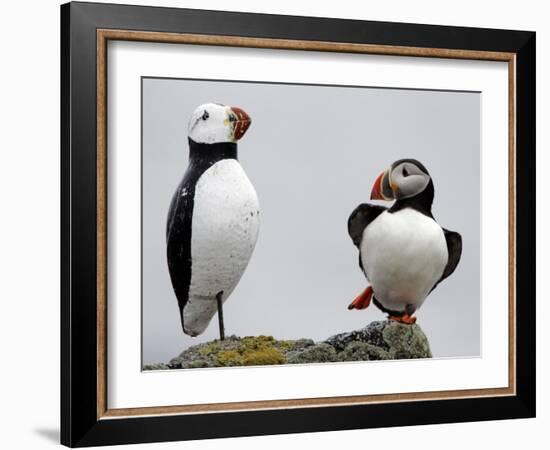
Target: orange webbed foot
{"type": "Point", "coordinates": [405, 318]}
{"type": "Point", "coordinates": [362, 301]}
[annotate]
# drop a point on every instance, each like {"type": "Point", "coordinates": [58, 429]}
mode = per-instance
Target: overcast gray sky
{"type": "Point", "coordinates": [313, 153]}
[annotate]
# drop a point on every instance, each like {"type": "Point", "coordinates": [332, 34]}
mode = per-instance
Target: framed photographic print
{"type": "Point", "coordinates": [276, 224]}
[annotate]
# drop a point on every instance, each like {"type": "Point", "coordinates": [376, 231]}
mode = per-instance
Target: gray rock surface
{"type": "Point", "coordinates": [381, 340]}
{"type": "Point", "coordinates": [386, 339]}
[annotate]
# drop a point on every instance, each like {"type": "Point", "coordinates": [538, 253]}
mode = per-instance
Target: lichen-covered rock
{"type": "Point", "coordinates": [236, 351]}
{"type": "Point", "coordinates": [362, 351]}
{"type": "Point", "coordinates": [373, 333]}
{"type": "Point", "coordinates": [159, 366]}
{"type": "Point", "coordinates": [406, 341]}
{"type": "Point", "coordinates": [390, 339]}
{"type": "Point", "coordinates": [381, 340]}
{"type": "Point", "coordinates": [316, 353]}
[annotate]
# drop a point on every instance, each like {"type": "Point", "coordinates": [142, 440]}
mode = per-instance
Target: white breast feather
{"type": "Point", "coordinates": [404, 255]}
{"type": "Point", "coordinates": [224, 232]}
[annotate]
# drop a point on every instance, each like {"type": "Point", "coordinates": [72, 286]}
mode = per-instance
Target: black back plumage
{"type": "Point", "coordinates": [180, 214]}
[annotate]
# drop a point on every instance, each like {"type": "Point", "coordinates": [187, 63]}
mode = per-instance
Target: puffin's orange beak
{"type": "Point", "coordinates": [378, 192]}
{"type": "Point", "coordinates": [240, 120]}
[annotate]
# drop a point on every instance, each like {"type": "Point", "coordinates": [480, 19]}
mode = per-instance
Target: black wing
{"type": "Point", "coordinates": [454, 248]}
{"type": "Point", "coordinates": [178, 241]}
{"type": "Point", "coordinates": [360, 218]}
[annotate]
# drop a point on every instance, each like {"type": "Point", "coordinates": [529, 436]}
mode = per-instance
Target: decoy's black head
{"type": "Point", "coordinates": [406, 178]}
{"type": "Point", "coordinates": [214, 123]}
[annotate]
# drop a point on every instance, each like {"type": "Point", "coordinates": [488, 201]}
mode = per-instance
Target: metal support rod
{"type": "Point", "coordinates": [220, 315]}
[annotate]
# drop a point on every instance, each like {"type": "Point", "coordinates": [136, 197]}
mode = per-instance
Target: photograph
{"type": "Point", "coordinates": [292, 223]}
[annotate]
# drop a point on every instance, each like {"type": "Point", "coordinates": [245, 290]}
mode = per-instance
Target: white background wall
{"type": "Point", "coordinates": [29, 229]}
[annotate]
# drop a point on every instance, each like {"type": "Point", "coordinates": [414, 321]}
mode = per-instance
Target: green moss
{"type": "Point", "coordinates": [264, 356]}
{"type": "Point", "coordinates": [255, 342]}
{"type": "Point", "coordinates": [230, 358]}
{"type": "Point", "coordinates": [249, 351]}
{"type": "Point", "coordinates": [286, 345]}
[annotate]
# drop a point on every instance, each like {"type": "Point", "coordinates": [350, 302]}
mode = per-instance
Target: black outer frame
{"type": "Point", "coordinates": [79, 424]}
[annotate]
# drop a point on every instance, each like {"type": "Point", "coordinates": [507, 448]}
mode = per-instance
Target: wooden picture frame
{"type": "Point", "coordinates": [86, 418]}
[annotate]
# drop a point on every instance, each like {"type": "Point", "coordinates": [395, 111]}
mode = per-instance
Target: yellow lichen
{"type": "Point", "coordinates": [250, 351]}
{"type": "Point", "coordinates": [252, 342]}
{"type": "Point", "coordinates": [265, 356]}
{"type": "Point", "coordinates": [286, 345]}
{"type": "Point", "coordinates": [230, 358]}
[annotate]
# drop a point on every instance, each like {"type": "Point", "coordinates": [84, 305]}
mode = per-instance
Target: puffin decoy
{"type": "Point", "coordinates": [213, 219]}
{"type": "Point", "coordinates": [403, 252]}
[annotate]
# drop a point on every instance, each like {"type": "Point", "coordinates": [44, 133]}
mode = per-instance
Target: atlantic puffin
{"type": "Point", "coordinates": [213, 218]}
{"type": "Point", "coordinates": [403, 252]}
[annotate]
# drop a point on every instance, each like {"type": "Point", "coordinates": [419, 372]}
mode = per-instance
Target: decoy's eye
{"type": "Point", "coordinates": [205, 115]}
{"type": "Point", "coordinates": [405, 172]}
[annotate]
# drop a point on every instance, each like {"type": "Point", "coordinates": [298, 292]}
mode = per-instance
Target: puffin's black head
{"type": "Point", "coordinates": [406, 178]}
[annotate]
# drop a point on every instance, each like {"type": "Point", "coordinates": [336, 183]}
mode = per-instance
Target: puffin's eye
{"type": "Point", "coordinates": [205, 115]}
{"type": "Point", "coordinates": [405, 172]}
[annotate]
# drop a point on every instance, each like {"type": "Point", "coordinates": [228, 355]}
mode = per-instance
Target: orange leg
{"type": "Point", "coordinates": [362, 301]}
{"type": "Point", "coordinates": [406, 319]}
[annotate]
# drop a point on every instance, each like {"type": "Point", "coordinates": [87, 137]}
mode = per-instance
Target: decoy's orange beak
{"type": "Point", "coordinates": [379, 189]}
{"type": "Point", "coordinates": [241, 122]}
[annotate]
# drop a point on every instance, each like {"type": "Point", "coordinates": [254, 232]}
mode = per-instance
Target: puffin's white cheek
{"type": "Point", "coordinates": [412, 185]}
